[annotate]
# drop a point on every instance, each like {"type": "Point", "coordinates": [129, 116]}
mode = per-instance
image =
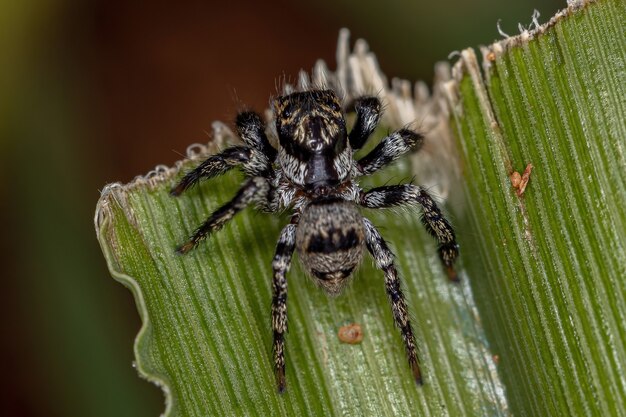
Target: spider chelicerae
{"type": "Point", "coordinates": [313, 172]}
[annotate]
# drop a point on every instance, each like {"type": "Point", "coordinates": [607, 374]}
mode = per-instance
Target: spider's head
{"type": "Point", "coordinates": [312, 133]}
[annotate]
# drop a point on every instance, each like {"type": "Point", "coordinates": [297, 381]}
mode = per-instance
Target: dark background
{"type": "Point", "coordinates": [98, 91]}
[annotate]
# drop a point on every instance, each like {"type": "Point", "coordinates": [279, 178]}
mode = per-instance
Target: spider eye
{"type": "Point", "coordinates": [335, 106]}
{"type": "Point", "coordinates": [288, 110]}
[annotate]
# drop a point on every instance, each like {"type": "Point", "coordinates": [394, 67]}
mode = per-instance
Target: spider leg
{"type": "Point", "coordinates": [253, 190]}
{"type": "Point", "coordinates": [368, 111]}
{"type": "Point", "coordinates": [256, 158]}
{"type": "Point", "coordinates": [282, 260]}
{"type": "Point", "coordinates": [213, 166]}
{"type": "Point", "coordinates": [432, 218]}
{"type": "Point", "coordinates": [388, 150]}
{"type": "Point", "coordinates": [384, 260]}
{"type": "Point", "coordinates": [251, 129]}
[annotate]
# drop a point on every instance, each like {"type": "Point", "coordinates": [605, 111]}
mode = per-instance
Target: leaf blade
{"type": "Point", "coordinates": [556, 266]}
{"type": "Point", "coordinates": [199, 322]}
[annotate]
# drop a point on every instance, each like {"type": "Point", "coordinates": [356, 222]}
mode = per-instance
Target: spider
{"type": "Point", "coordinates": [313, 172]}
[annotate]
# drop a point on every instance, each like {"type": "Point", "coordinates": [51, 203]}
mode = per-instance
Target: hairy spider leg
{"type": "Point", "coordinates": [432, 217]}
{"type": "Point", "coordinates": [251, 129]}
{"type": "Point", "coordinates": [255, 159]}
{"type": "Point", "coordinates": [213, 166]}
{"type": "Point", "coordinates": [388, 150]}
{"type": "Point", "coordinates": [383, 257]}
{"type": "Point", "coordinates": [280, 265]}
{"type": "Point", "coordinates": [368, 111]}
{"type": "Point", "coordinates": [253, 190]}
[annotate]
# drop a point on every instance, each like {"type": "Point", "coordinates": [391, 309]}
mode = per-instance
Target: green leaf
{"type": "Point", "coordinates": [548, 267]}
{"type": "Point", "coordinates": [207, 338]}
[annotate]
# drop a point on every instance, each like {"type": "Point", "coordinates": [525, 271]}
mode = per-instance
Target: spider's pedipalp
{"type": "Point", "coordinates": [383, 257]}
{"type": "Point", "coordinates": [280, 265]}
{"type": "Point", "coordinates": [368, 111]}
{"type": "Point", "coordinates": [432, 217]}
{"type": "Point", "coordinates": [253, 190]}
{"type": "Point", "coordinates": [251, 129]}
{"type": "Point", "coordinates": [388, 150]}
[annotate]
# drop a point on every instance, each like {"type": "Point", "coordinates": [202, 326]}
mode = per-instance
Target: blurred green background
{"type": "Point", "coordinates": [98, 91]}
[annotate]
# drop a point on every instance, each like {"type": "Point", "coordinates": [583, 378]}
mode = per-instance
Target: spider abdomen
{"type": "Point", "coordinates": [330, 240]}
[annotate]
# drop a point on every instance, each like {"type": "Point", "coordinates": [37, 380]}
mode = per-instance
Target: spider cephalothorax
{"type": "Point", "coordinates": [314, 174]}
{"type": "Point", "coordinates": [314, 149]}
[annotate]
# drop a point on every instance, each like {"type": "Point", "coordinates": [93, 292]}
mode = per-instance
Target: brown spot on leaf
{"type": "Point", "coordinates": [520, 182]}
{"type": "Point", "coordinates": [516, 179]}
{"type": "Point", "coordinates": [351, 333]}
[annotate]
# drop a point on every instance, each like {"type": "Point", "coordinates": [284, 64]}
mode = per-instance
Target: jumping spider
{"type": "Point", "coordinates": [313, 173]}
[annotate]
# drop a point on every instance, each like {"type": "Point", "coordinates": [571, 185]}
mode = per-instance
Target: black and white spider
{"type": "Point", "coordinates": [314, 174]}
